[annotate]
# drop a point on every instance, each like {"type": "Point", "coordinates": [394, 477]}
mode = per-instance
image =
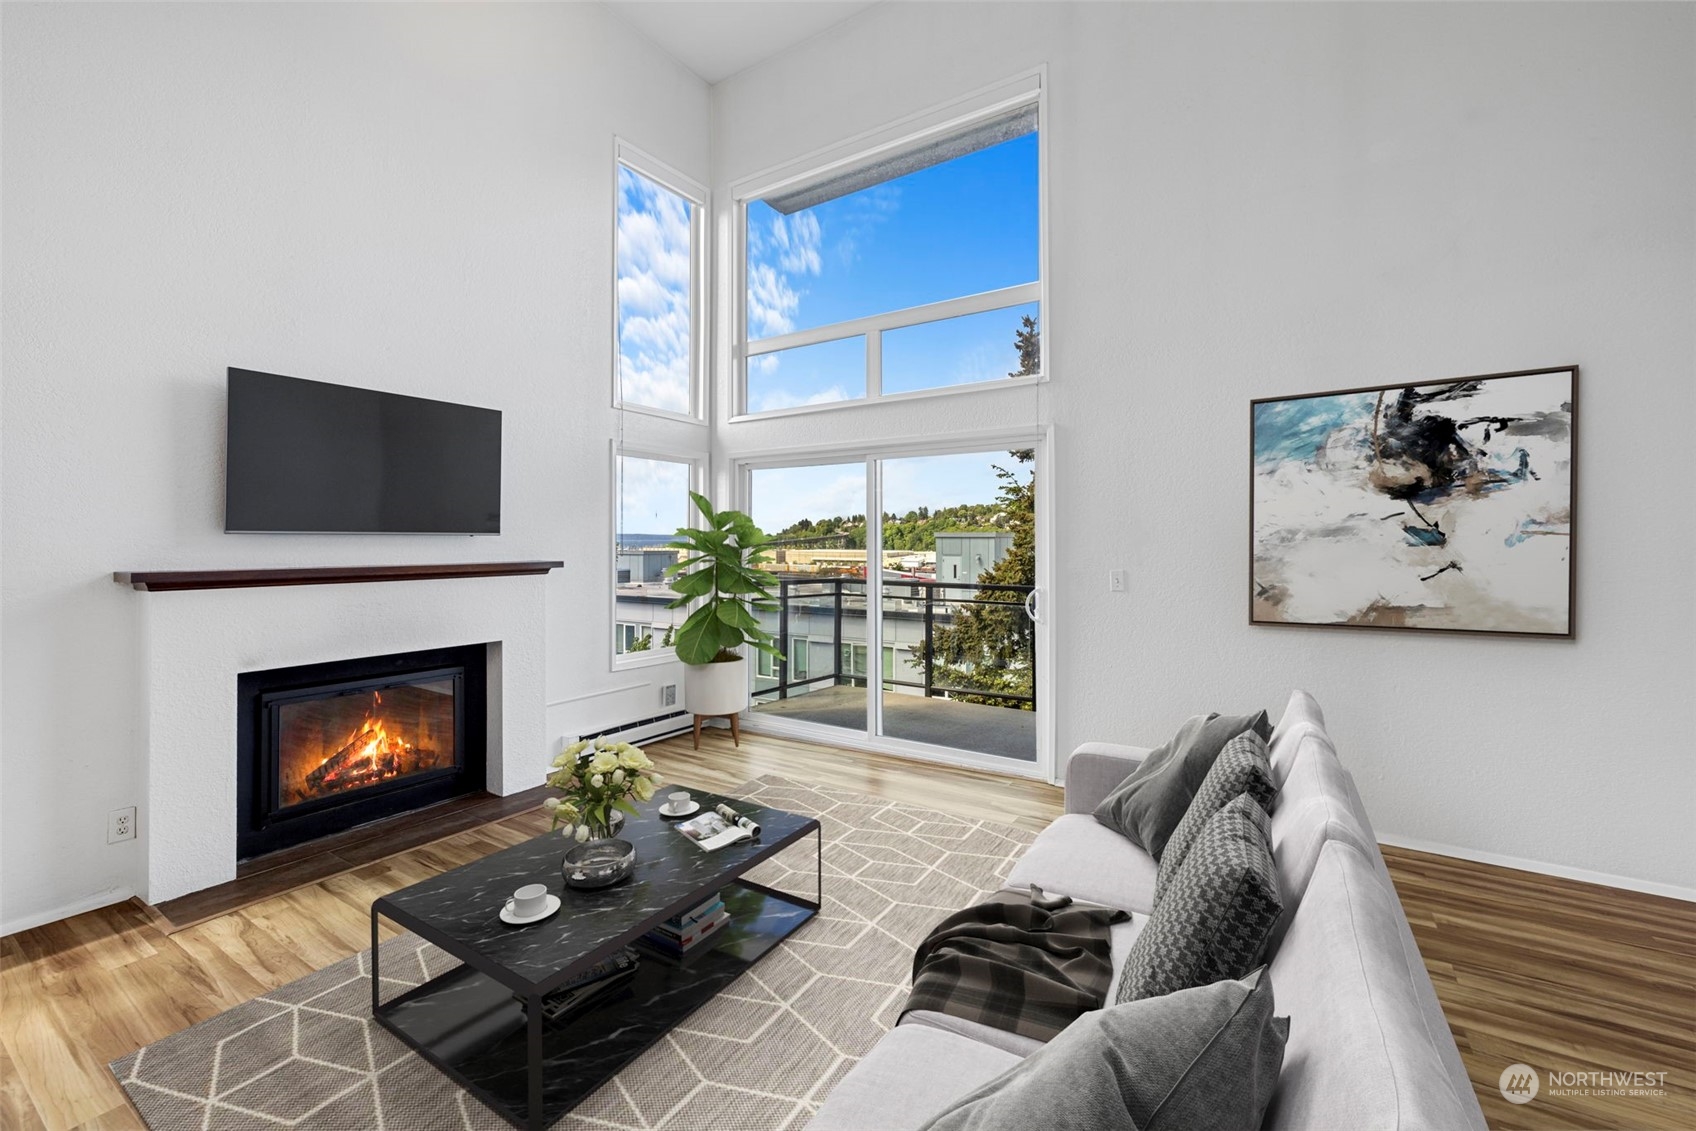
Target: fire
{"type": "Point", "coordinates": [369, 755]}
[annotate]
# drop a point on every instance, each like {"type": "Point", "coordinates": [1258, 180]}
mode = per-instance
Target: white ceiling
{"type": "Point", "coordinates": [717, 38]}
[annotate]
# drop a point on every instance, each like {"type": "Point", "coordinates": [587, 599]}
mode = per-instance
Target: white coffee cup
{"type": "Point", "coordinates": [531, 899]}
{"type": "Point", "coordinates": [679, 801]}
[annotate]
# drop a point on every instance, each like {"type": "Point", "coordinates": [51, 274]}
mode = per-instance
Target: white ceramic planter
{"type": "Point", "coordinates": [716, 689]}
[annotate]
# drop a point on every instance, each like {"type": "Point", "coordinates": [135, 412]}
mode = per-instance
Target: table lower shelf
{"type": "Point", "coordinates": [475, 1030]}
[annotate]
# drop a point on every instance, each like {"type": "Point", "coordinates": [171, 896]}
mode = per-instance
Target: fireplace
{"type": "Point", "coordinates": [325, 747]}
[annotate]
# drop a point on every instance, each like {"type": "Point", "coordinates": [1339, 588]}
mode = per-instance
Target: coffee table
{"type": "Point", "coordinates": [481, 1023]}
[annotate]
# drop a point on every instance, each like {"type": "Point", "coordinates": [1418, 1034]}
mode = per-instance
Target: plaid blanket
{"type": "Point", "coordinates": [1015, 964]}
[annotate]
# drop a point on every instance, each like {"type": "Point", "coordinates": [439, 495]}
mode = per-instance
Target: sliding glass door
{"type": "Point", "coordinates": [909, 603]}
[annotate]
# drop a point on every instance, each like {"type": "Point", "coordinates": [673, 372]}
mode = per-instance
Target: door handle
{"type": "Point", "coordinates": [1031, 606]}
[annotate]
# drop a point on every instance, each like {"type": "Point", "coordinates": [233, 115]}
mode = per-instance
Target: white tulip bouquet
{"type": "Point", "coordinates": [598, 779]}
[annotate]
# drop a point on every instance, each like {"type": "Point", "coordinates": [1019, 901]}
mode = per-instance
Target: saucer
{"type": "Point", "coordinates": [667, 811]}
{"type": "Point", "coordinates": [552, 905]}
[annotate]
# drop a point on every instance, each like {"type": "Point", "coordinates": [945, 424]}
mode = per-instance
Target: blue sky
{"type": "Point", "coordinates": [966, 226]}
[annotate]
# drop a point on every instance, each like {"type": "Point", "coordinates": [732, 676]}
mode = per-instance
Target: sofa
{"type": "Point", "coordinates": [1368, 1045]}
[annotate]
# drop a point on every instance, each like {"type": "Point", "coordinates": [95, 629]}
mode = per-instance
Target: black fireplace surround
{"type": "Point", "coordinates": [326, 747]}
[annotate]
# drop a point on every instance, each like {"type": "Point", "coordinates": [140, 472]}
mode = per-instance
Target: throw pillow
{"type": "Point", "coordinates": [1217, 912]}
{"type": "Point", "coordinates": [1149, 803]}
{"type": "Point", "coordinates": [1204, 1057]}
{"type": "Point", "coordinates": [1242, 767]}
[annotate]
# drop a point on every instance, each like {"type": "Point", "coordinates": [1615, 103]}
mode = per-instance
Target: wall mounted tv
{"type": "Point", "coordinates": [307, 457]}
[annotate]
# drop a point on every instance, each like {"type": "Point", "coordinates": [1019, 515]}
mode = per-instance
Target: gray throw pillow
{"type": "Point", "coordinates": [1214, 919]}
{"type": "Point", "coordinates": [1206, 1057]}
{"type": "Point", "coordinates": [1149, 803]}
{"type": "Point", "coordinates": [1241, 767]}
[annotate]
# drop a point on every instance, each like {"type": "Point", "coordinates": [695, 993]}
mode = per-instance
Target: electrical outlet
{"type": "Point", "coordinates": [1115, 581]}
{"type": "Point", "coordinates": [120, 825]}
{"type": "Point", "coordinates": [668, 695]}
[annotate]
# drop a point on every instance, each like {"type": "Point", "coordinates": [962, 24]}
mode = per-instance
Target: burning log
{"type": "Point", "coordinates": [361, 747]}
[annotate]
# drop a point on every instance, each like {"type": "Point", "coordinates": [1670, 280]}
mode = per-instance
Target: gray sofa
{"type": "Point", "coordinates": [1368, 1049]}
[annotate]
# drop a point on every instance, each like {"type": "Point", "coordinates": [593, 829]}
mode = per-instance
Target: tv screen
{"type": "Point", "coordinates": [311, 457]}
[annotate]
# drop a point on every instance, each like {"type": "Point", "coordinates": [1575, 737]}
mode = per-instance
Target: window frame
{"type": "Point", "coordinates": [1028, 88]}
{"type": "Point", "coordinates": [626, 155]}
{"type": "Point", "coordinates": [697, 464]}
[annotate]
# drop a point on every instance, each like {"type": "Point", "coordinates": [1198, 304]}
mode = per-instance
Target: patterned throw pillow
{"type": "Point", "coordinates": [1242, 767]}
{"type": "Point", "coordinates": [1218, 910]}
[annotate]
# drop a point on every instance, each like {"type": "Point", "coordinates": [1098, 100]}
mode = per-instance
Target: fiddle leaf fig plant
{"type": "Point", "coordinates": [719, 566]}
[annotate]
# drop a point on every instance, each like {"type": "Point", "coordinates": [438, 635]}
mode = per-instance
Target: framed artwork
{"type": "Point", "coordinates": [1446, 506]}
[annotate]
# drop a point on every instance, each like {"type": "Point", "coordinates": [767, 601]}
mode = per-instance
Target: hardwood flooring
{"type": "Point", "coordinates": [1560, 975]}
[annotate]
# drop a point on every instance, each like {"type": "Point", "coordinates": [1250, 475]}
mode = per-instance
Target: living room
{"type": "Point", "coordinates": [1215, 216]}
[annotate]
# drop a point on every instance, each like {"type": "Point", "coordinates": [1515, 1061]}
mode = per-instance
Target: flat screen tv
{"type": "Point", "coordinates": [308, 457]}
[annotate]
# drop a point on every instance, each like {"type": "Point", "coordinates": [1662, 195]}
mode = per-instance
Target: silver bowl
{"type": "Point", "coordinates": [597, 863]}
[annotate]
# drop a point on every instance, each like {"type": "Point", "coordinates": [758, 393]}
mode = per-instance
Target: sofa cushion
{"type": "Point", "coordinates": [1361, 1053]}
{"type": "Point", "coordinates": [1240, 768]}
{"type": "Point", "coordinates": [913, 1072]}
{"type": "Point", "coordinates": [1315, 805]}
{"type": "Point", "coordinates": [1302, 708]}
{"type": "Point", "coordinates": [1151, 801]}
{"type": "Point", "coordinates": [1204, 1057]}
{"type": "Point", "coordinates": [1301, 718]}
{"type": "Point", "coordinates": [1078, 857]}
{"type": "Point", "coordinates": [1214, 918]}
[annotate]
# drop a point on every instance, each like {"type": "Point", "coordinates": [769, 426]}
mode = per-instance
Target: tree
{"type": "Point", "coordinates": [1027, 339]}
{"type": "Point", "coordinates": [991, 646]}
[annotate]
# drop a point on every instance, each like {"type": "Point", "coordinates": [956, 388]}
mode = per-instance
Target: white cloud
{"type": "Point", "coordinates": [653, 272]}
{"type": "Point", "coordinates": [774, 399]}
{"type": "Point", "coordinates": [653, 495]}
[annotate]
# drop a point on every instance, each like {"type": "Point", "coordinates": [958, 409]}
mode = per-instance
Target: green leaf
{"type": "Point", "coordinates": [733, 614]}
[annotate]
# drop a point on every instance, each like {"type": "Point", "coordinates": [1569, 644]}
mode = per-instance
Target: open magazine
{"type": "Point", "coordinates": [719, 827]}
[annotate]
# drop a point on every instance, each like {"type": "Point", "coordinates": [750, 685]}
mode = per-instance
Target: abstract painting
{"type": "Point", "coordinates": [1444, 506]}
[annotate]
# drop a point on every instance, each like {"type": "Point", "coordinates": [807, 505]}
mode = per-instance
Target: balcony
{"type": "Point", "coordinates": [958, 664]}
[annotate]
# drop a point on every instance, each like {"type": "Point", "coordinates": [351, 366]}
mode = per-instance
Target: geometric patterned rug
{"type": "Point", "coordinates": [759, 1057]}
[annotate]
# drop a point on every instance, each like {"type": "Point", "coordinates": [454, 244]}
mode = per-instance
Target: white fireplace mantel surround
{"type": "Point", "coordinates": [196, 643]}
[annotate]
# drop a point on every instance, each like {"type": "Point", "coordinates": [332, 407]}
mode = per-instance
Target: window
{"type": "Point", "coordinates": [651, 500]}
{"type": "Point", "coordinates": [632, 637]}
{"type": "Point", "coordinates": [659, 281]}
{"type": "Point", "coordinates": [913, 269]}
{"type": "Point", "coordinates": [798, 646]}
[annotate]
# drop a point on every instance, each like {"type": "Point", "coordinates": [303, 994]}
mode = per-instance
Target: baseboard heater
{"type": "Point", "coordinates": [644, 730]}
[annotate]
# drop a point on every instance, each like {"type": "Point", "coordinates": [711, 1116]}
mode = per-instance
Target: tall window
{"type": "Point", "coordinates": [659, 282]}
{"type": "Point", "coordinates": [917, 269]}
{"type": "Point", "coordinates": [652, 502]}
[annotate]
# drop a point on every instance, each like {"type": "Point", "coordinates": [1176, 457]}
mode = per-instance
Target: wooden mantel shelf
{"type": "Point", "coordinates": [173, 580]}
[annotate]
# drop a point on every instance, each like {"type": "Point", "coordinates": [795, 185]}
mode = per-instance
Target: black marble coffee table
{"type": "Point", "coordinates": [481, 1022]}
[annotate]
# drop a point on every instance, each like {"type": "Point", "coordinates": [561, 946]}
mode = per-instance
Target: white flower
{"type": "Point", "coordinates": [598, 781]}
{"type": "Point", "coordinates": [582, 834]}
{"type": "Point", "coordinates": [618, 777]}
{"type": "Point", "coordinates": [551, 804]}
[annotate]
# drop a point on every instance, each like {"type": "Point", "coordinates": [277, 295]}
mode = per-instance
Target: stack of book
{"type": "Point", "coordinates": [681, 934]}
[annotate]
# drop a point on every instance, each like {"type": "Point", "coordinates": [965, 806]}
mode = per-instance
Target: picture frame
{"type": "Point", "coordinates": [1425, 506]}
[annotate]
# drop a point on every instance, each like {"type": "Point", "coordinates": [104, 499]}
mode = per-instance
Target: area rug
{"type": "Point", "coordinates": [761, 1055]}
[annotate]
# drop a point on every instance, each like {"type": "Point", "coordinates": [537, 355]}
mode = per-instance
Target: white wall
{"type": "Point", "coordinates": [409, 197]}
{"type": "Point", "coordinates": [1275, 199]}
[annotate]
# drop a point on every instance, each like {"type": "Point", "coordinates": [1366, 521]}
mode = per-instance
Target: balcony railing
{"type": "Point", "coordinates": [926, 606]}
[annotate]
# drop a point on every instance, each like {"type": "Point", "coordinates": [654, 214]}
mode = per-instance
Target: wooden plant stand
{"type": "Point", "coordinates": [735, 727]}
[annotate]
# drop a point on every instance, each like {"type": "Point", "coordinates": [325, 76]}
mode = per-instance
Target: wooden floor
{"type": "Point", "coordinates": [1559, 975]}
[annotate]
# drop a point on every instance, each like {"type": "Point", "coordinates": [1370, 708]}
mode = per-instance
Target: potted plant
{"type": "Point", "coordinates": [719, 567]}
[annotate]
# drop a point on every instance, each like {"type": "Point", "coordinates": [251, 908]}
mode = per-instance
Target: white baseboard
{"type": "Point", "coordinates": [1583, 875]}
{"type": "Point", "coordinates": [65, 911]}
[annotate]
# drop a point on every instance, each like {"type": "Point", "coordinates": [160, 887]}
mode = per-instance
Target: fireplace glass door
{"type": "Point", "coordinates": [330, 744]}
